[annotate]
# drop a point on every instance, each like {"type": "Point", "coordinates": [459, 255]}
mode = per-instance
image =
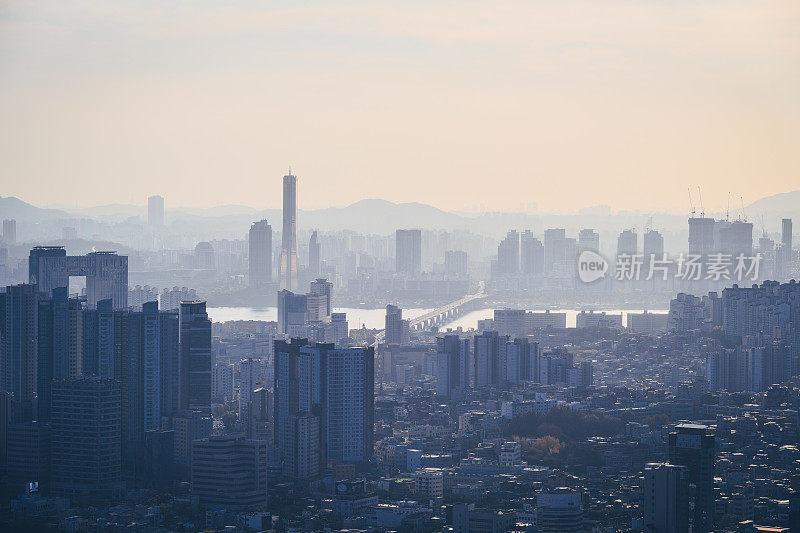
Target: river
{"type": "Point", "coordinates": [374, 318]}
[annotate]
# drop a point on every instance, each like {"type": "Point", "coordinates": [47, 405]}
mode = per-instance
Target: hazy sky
{"type": "Point", "coordinates": [556, 102]}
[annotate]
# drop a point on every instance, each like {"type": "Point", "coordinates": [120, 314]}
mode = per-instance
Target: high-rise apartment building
{"type": "Point", "coordinates": [324, 406]}
{"type": "Point", "coordinates": [288, 261]}
{"type": "Point", "coordinates": [195, 357]}
{"type": "Point", "coordinates": [588, 239]}
{"type": "Point", "coordinates": [665, 495]}
{"type": "Point", "coordinates": [396, 329]}
{"type": "Point", "coordinates": [260, 253]}
{"type": "Point", "coordinates": [653, 245]}
{"type": "Point", "coordinates": [453, 366]}
{"type": "Point", "coordinates": [555, 250]}
{"type": "Point", "coordinates": [49, 267]}
{"type": "Point", "coordinates": [627, 243]}
{"type": "Point", "coordinates": [408, 251]}
{"type": "Point", "coordinates": [693, 446]}
{"type": "Point", "coordinates": [18, 343]}
{"type": "Point", "coordinates": [508, 254]}
{"type": "Point", "coordinates": [155, 211]}
{"type": "Point", "coordinates": [701, 235]}
{"type": "Point", "coordinates": [59, 346]}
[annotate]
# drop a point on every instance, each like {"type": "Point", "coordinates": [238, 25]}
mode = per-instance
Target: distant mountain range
{"type": "Point", "coordinates": [383, 217]}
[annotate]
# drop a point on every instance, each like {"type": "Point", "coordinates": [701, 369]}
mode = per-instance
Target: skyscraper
{"type": "Point", "coordinates": [260, 253]}
{"type": "Point", "coordinates": [701, 235]}
{"type": "Point", "coordinates": [195, 357]}
{"type": "Point", "coordinates": [627, 243]}
{"type": "Point", "coordinates": [653, 245]}
{"type": "Point", "coordinates": [324, 406]}
{"type": "Point", "coordinates": [692, 446]}
{"type": "Point", "coordinates": [59, 338]}
{"type": "Point", "coordinates": [18, 343]}
{"type": "Point", "coordinates": [666, 498]}
{"type": "Point", "coordinates": [288, 264]}
{"type": "Point", "coordinates": [408, 251]}
{"type": "Point", "coordinates": [10, 231]}
{"type": "Point", "coordinates": [86, 429]}
{"type": "Point", "coordinates": [396, 329]}
{"type": "Point", "coordinates": [297, 429]}
{"type": "Point", "coordinates": [314, 256]}
{"type": "Point", "coordinates": [554, 248]}
{"type": "Point", "coordinates": [531, 254]}
{"type": "Point", "coordinates": [453, 357]}
{"type": "Point", "coordinates": [49, 267]}
{"type": "Point", "coordinates": [323, 288]}
{"type": "Point", "coordinates": [588, 239]}
{"type": "Point", "coordinates": [508, 254]}
{"type": "Point", "coordinates": [292, 313]}
{"type": "Point", "coordinates": [155, 211]}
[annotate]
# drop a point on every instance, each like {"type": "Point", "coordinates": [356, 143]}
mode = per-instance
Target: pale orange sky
{"type": "Point", "coordinates": [556, 102]}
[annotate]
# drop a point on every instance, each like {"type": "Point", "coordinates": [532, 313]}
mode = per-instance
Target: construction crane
{"type": "Point", "coordinates": [691, 204]}
{"type": "Point", "coordinates": [702, 209]}
{"type": "Point", "coordinates": [728, 208]}
{"type": "Point", "coordinates": [741, 202]}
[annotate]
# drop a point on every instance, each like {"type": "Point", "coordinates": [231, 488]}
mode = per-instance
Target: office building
{"type": "Point", "coordinates": [195, 357]}
{"type": "Point", "coordinates": [314, 255]}
{"type": "Point", "coordinates": [665, 496]}
{"type": "Point", "coordinates": [86, 439]}
{"type": "Point", "coordinates": [408, 252]}
{"type": "Point", "coordinates": [18, 343]}
{"type": "Point", "coordinates": [106, 273]}
{"type": "Point", "coordinates": [158, 459]}
{"type": "Point", "coordinates": [292, 313]}
{"type": "Point", "coordinates": [230, 471]}
{"type": "Point", "coordinates": [559, 511]}
{"type": "Point", "coordinates": [28, 456]}
{"type": "Point", "coordinates": [10, 231]}
{"type": "Point", "coordinates": [260, 254]}
{"type": "Point", "coordinates": [693, 446]}
{"type": "Point", "coordinates": [322, 289]}
{"type": "Point", "coordinates": [288, 266]}
{"type": "Point", "coordinates": [155, 211]}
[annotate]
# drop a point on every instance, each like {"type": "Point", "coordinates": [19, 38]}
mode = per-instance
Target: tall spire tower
{"type": "Point", "coordinates": [288, 265]}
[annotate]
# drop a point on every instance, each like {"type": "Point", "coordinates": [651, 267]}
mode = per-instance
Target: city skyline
{"type": "Point", "coordinates": [407, 103]}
